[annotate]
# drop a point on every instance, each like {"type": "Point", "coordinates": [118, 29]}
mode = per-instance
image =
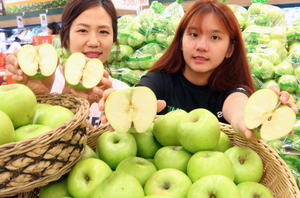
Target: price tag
{"type": "Point", "coordinates": [130, 4]}
{"type": "Point", "coordinates": [20, 21]}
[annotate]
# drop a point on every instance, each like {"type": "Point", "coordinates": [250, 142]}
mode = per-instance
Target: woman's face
{"type": "Point", "coordinates": [91, 33]}
{"type": "Point", "coordinates": [205, 49]}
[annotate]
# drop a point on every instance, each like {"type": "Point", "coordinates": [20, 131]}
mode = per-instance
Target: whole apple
{"type": "Point", "coordinates": [172, 157]}
{"type": "Point", "coordinates": [114, 147]}
{"type": "Point", "coordinates": [218, 186]}
{"type": "Point", "coordinates": [205, 163]}
{"type": "Point", "coordinates": [45, 116]}
{"type": "Point", "coordinates": [138, 167]}
{"type": "Point", "coordinates": [86, 176]}
{"type": "Point", "coordinates": [119, 184]}
{"type": "Point", "coordinates": [224, 143]}
{"type": "Point", "coordinates": [55, 189]}
{"type": "Point", "coordinates": [147, 145]}
{"type": "Point", "coordinates": [30, 130]}
{"type": "Point", "coordinates": [247, 164]}
{"type": "Point", "coordinates": [88, 153]}
{"type": "Point", "coordinates": [199, 130]}
{"type": "Point", "coordinates": [254, 189]}
{"type": "Point", "coordinates": [165, 128]}
{"type": "Point", "coordinates": [7, 130]}
{"type": "Point", "coordinates": [18, 102]}
{"type": "Point", "coordinates": [168, 181]}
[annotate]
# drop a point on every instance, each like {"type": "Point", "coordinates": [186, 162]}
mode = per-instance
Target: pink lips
{"type": "Point", "coordinates": [200, 59]}
{"type": "Point", "coordinates": [92, 54]}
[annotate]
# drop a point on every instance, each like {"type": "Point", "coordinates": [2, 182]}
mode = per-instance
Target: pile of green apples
{"type": "Point", "coordinates": [23, 118]}
{"type": "Point", "coordinates": [181, 154]}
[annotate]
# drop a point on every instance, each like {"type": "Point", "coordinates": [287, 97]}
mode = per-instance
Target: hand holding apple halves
{"type": "Point", "coordinates": [268, 115]}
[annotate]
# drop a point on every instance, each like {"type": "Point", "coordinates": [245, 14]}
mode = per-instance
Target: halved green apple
{"type": "Point", "coordinates": [82, 72]}
{"type": "Point", "coordinates": [267, 117]}
{"type": "Point", "coordinates": [38, 61]}
{"type": "Point", "coordinates": [131, 108]}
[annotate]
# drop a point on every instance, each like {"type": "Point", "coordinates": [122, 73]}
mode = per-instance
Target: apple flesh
{"type": "Point", "coordinates": [82, 72]}
{"type": "Point", "coordinates": [131, 108]}
{"type": "Point", "coordinates": [267, 117]}
{"type": "Point", "coordinates": [38, 61]}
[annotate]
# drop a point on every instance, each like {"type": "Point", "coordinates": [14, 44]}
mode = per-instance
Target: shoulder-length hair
{"type": "Point", "coordinates": [233, 71]}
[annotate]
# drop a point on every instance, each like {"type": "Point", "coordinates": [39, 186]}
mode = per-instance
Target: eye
{"type": "Point", "coordinates": [194, 34]}
{"type": "Point", "coordinates": [215, 37]}
{"type": "Point", "coordinates": [82, 30]}
{"type": "Point", "coordinates": [104, 32]}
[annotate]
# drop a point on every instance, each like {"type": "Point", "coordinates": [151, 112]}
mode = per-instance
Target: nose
{"type": "Point", "coordinates": [93, 41]}
{"type": "Point", "coordinates": [201, 44]}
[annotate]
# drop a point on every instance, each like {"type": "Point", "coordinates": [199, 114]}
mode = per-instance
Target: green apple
{"type": "Point", "coordinates": [267, 117]}
{"type": "Point", "coordinates": [30, 131]}
{"type": "Point", "coordinates": [247, 164]}
{"type": "Point", "coordinates": [205, 163]}
{"type": "Point", "coordinates": [123, 35]}
{"type": "Point", "coordinates": [18, 102]}
{"type": "Point", "coordinates": [255, 8]}
{"type": "Point", "coordinates": [88, 153]}
{"type": "Point", "coordinates": [297, 71]}
{"type": "Point", "coordinates": [138, 167]}
{"type": "Point", "coordinates": [165, 127]}
{"type": "Point", "coordinates": [147, 145]}
{"type": "Point", "coordinates": [168, 181]}
{"type": "Point", "coordinates": [55, 189]}
{"type": "Point", "coordinates": [136, 39]}
{"type": "Point", "coordinates": [161, 37]}
{"type": "Point", "coordinates": [38, 61]}
{"type": "Point", "coordinates": [114, 147]}
{"type": "Point", "coordinates": [277, 145]}
{"type": "Point", "coordinates": [269, 83]}
{"type": "Point", "coordinates": [262, 68]}
{"type": "Point", "coordinates": [284, 68]}
{"type": "Point", "coordinates": [83, 73]}
{"type": "Point", "coordinates": [45, 116]}
{"type": "Point", "coordinates": [199, 130]}
{"type": "Point", "coordinates": [86, 176]}
{"type": "Point", "coordinates": [119, 184]}
{"type": "Point", "coordinates": [288, 83]}
{"type": "Point", "coordinates": [7, 130]}
{"type": "Point", "coordinates": [263, 38]}
{"type": "Point", "coordinates": [158, 196]}
{"type": "Point", "coordinates": [210, 186]}
{"type": "Point", "coordinates": [172, 157]}
{"type": "Point", "coordinates": [126, 109]}
{"type": "Point", "coordinates": [254, 189]}
{"type": "Point", "coordinates": [224, 143]}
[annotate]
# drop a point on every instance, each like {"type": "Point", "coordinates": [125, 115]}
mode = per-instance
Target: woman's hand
{"type": "Point", "coordinates": [161, 104]}
{"type": "Point", "coordinates": [37, 85]}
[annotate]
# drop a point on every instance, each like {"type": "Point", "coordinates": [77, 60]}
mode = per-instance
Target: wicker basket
{"type": "Point", "coordinates": [34, 162]}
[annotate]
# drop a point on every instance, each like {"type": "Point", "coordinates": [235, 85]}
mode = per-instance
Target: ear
{"type": "Point", "coordinates": [68, 43]}
{"type": "Point", "coordinates": [230, 50]}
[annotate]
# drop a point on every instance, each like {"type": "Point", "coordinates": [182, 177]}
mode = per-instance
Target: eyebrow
{"type": "Point", "coordinates": [213, 31]}
{"type": "Point", "coordinates": [86, 25]}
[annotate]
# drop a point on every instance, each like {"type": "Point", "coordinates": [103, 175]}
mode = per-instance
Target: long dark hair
{"type": "Point", "coordinates": [54, 27]}
{"type": "Point", "coordinates": [233, 71]}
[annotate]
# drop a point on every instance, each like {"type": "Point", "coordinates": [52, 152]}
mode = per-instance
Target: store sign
{"type": "Point", "coordinates": [20, 6]}
{"type": "Point", "coordinates": [130, 4]}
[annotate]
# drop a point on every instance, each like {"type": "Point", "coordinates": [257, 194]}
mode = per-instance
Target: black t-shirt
{"type": "Point", "coordinates": [179, 93]}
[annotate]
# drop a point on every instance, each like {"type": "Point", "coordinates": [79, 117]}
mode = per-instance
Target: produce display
{"type": "Point", "coordinates": [116, 168]}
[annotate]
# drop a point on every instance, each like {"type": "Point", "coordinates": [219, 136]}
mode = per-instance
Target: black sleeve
{"type": "Point", "coordinates": [238, 89]}
{"type": "Point", "coordinates": [155, 81]}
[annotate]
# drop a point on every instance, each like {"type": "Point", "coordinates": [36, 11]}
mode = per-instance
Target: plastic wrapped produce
{"type": "Point", "coordinates": [293, 32]}
{"type": "Point", "coordinates": [241, 14]}
{"type": "Point", "coordinates": [262, 14]}
{"type": "Point", "coordinates": [144, 57]}
{"type": "Point", "coordinates": [120, 53]}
